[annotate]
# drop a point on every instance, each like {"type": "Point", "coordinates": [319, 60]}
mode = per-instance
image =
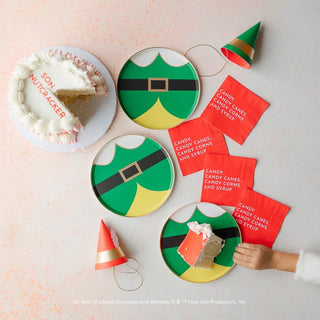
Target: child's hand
{"type": "Point", "coordinates": [253, 256]}
{"type": "Point", "coordinates": [258, 257]}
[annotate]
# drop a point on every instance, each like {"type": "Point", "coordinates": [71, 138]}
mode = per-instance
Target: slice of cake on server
{"type": "Point", "coordinates": [200, 246]}
{"type": "Point", "coordinates": [42, 88]}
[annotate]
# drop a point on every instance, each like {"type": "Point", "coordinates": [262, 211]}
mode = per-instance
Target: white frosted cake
{"type": "Point", "coordinates": [44, 85]}
{"type": "Point", "coordinates": [200, 246]}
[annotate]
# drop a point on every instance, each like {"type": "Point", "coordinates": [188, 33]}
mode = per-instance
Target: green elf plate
{"type": "Point", "coordinates": [132, 175]}
{"type": "Point", "coordinates": [158, 88]}
{"type": "Point", "coordinates": [175, 230]}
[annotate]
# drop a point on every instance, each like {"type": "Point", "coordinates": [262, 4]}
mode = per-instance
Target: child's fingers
{"type": "Point", "coordinates": [246, 245]}
{"type": "Point", "coordinates": [245, 251]}
{"type": "Point", "coordinates": [242, 260]}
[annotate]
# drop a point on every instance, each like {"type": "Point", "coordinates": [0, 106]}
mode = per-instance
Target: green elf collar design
{"type": "Point", "coordinates": [158, 88]}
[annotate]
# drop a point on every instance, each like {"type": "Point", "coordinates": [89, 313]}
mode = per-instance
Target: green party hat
{"type": "Point", "coordinates": [241, 49]}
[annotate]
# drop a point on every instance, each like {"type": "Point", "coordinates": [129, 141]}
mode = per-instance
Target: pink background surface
{"type": "Point", "coordinates": [50, 217]}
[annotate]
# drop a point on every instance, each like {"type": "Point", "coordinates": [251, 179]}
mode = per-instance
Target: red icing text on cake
{"type": "Point", "coordinates": [48, 80]}
{"type": "Point", "coordinates": [45, 93]}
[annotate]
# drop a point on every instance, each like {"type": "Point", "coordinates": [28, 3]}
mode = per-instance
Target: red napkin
{"type": "Point", "coordinates": [191, 141]}
{"type": "Point", "coordinates": [224, 176]}
{"type": "Point", "coordinates": [234, 110]}
{"type": "Point", "coordinates": [259, 217]}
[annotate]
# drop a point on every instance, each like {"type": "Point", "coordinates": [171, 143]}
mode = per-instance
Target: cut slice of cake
{"type": "Point", "coordinates": [200, 246]}
{"type": "Point", "coordinates": [43, 87]}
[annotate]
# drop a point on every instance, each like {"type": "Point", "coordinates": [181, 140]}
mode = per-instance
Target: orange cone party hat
{"type": "Point", "coordinates": [241, 50]}
{"type": "Point", "coordinates": [109, 253]}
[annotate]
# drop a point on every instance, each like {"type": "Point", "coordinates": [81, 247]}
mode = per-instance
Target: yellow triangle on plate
{"type": "Point", "coordinates": [157, 117]}
{"type": "Point", "coordinates": [147, 201]}
{"type": "Point", "coordinates": [204, 275]}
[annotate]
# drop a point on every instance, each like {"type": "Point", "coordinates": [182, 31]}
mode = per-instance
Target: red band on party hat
{"type": "Point", "coordinates": [109, 253]}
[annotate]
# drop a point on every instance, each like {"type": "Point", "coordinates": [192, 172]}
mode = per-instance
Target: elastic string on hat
{"type": "Point", "coordinates": [135, 270]}
{"type": "Point", "coordinates": [212, 47]}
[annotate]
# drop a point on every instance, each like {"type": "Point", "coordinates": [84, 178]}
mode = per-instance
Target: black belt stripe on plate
{"type": "Point", "coordinates": [175, 241]}
{"type": "Point", "coordinates": [115, 180]}
{"type": "Point", "coordinates": [173, 84]}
